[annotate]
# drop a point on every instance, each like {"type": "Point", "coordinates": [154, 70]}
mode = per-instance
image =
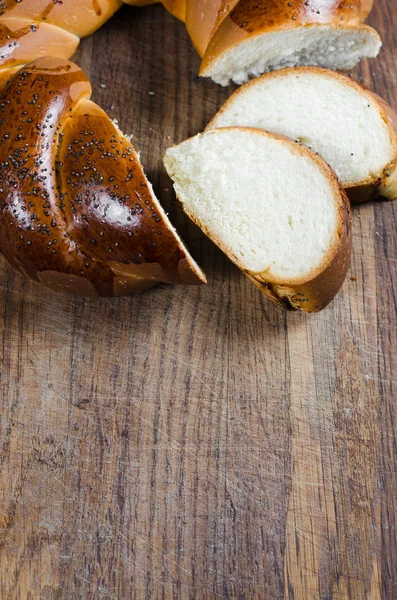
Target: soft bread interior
{"type": "Point", "coordinates": [339, 48]}
{"type": "Point", "coordinates": [327, 112]}
{"type": "Point", "coordinates": [268, 203]}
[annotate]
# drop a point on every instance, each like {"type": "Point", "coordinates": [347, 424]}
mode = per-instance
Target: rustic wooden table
{"type": "Point", "coordinates": [200, 443]}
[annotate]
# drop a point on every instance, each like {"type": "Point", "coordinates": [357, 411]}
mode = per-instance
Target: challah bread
{"type": "Point", "coordinates": [76, 210]}
{"type": "Point", "coordinates": [249, 38]}
{"type": "Point", "coordinates": [237, 39]}
{"type": "Point", "coordinates": [349, 126]}
{"type": "Point", "coordinates": [30, 29]}
{"type": "Point", "coordinates": [273, 206]}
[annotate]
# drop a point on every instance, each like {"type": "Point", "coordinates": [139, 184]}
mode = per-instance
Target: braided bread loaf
{"type": "Point", "coordinates": [76, 210]}
{"type": "Point", "coordinates": [236, 38]}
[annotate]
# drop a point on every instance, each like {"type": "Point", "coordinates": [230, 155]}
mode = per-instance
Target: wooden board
{"type": "Point", "coordinates": [200, 443]}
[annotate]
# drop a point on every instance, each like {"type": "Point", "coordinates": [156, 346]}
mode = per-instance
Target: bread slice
{"type": "Point", "coordinates": [273, 206]}
{"type": "Point", "coordinates": [236, 55]}
{"type": "Point", "coordinates": [204, 17]}
{"type": "Point", "coordinates": [349, 126]}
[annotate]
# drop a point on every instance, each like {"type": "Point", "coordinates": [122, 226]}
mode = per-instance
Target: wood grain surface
{"type": "Point", "coordinates": [197, 443]}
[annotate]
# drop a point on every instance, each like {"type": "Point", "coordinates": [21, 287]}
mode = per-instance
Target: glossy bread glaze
{"type": "Point", "coordinates": [76, 210]}
{"type": "Point", "coordinates": [22, 41]}
{"type": "Point", "coordinates": [202, 19]}
{"type": "Point", "coordinates": [30, 29]}
{"type": "Point", "coordinates": [80, 17]}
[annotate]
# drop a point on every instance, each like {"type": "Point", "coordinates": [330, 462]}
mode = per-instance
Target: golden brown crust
{"type": "Point", "coordinates": [382, 188]}
{"type": "Point", "coordinates": [383, 184]}
{"type": "Point", "coordinates": [315, 292]}
{"type": "Point", "coordinates": [251, 15]}
{"type": "Point", "coordinates": [202, 19]}
{"type": "Point", "coordinates": [30, 29]}
{"type": "Point", "coordinates": [22, 41]}
{"type": "Point", "coordinates": [176, 8]}
{"type": "Point", "coordinates": [249, 18]}
{"type": "Point", "coordinates": [6, 75]}
{"type": "Point", "coordinates": [73, 197]}
{"type": "Point", "coordinates": [80, 17]}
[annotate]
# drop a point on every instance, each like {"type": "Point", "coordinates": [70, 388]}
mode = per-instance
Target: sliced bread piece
{"type": "Point", "coordinates": [204, 17]}
{"type": "Point", "coordinates": [238, 54]}
{"type": "Point", "coordinates": [353, 129]}
{"type": "Point", "coordinates": [273, 206]}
